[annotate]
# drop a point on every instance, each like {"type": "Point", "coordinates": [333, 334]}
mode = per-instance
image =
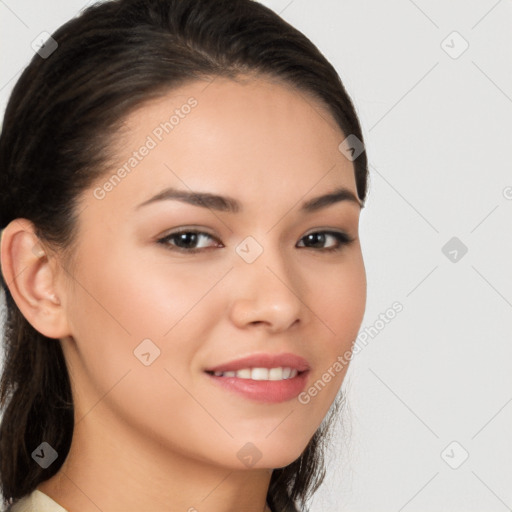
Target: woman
{"type": "Point", "coordinates": [181, 184]}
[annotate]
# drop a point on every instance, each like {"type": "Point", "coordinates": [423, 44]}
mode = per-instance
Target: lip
{"type": "Point", "coordinates": [263, 361]}
{"type": "Point", "coordinates": [264, 391]}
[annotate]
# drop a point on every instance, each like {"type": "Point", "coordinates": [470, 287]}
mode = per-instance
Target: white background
{"type": "Point", "coordinates": [438, 135]}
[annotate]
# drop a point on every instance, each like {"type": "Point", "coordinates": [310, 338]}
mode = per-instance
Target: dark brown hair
{"type": "Point", "coordinates": [55, 142]}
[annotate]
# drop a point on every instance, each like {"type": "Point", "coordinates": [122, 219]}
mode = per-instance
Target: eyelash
{"type": "Point", "coordinates": [342, 238]}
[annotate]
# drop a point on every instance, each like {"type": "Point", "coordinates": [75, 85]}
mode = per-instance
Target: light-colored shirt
{"type": "Point", "coordinates": [36, 501]}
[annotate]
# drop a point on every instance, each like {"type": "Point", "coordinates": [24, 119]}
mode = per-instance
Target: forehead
{"type": "Point", "coordinates": [251, 138]}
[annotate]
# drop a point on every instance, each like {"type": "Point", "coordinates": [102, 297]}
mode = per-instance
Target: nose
{"type": "Point", "coordinates": [267, 292]}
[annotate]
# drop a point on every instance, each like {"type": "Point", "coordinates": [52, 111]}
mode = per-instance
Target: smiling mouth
{"type": "Point", "coordinates": [270, 374]}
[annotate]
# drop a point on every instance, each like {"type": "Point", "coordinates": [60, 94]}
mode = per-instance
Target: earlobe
{"type": "Point", "coordinates": [30, 272]}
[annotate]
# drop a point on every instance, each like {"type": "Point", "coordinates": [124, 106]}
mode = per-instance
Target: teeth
{"type": "Point", "coordinates": [275, 374]}
{"type": "Point", "coordinates": [259, 374]}
{"type": "Point", "coordinates": [279, 373]}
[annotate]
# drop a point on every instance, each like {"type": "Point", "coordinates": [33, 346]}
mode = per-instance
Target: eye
{"type": "Point", "coordinates": [188, 240]}
{"type": "Point", "coordinates": [318, 239]}
{"type": "Point", "coordinates": [192, 241]}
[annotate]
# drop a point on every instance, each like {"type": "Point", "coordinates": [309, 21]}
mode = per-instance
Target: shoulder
{"type": "Point", "coordinates": [36, 501]}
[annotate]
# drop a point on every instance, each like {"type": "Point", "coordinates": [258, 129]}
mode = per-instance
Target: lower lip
{"type": "Point", "coordinates": [266, 391]}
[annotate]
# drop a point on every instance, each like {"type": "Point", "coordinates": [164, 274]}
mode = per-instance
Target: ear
{"type": "Point", "coordinates": [30, 271]}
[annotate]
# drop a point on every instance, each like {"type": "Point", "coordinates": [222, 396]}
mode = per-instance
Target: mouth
{"type": "Point", "coordinates": [265, 378]}
{"type": "Point", "coordinates": [273, 374]}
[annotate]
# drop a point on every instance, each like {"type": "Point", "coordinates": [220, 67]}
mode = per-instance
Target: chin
{"type": "Point", "coordinates": [277, 462]}
{"type": "Point", "coordinates": [269, 457]}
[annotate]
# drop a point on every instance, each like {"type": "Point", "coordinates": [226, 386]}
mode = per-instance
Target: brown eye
{"type": "Point", "coordinates": [318, 240]}
{"type": "Point", "coordinates": [188, 240]}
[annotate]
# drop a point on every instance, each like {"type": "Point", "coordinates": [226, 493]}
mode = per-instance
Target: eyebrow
{"type": "Point", "coordinates": [231, 205]}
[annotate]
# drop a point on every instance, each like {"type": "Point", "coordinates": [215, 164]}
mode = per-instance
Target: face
{"type": "Point", "coordinates": [167, 287]}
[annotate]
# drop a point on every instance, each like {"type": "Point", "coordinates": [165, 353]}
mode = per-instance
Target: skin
{"type": "Point", "coordinates": [163, 437]}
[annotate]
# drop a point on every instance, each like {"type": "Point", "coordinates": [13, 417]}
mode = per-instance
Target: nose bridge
{"type": "Point", "coordinates": [268, 288]}
{"type": "Point", "coordinates": [267, 259]}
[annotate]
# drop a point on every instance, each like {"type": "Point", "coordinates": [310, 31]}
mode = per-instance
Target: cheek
{"type": "Point", "coordinates": [339, 300]}
{"type": "Point", "coordinates": [140, 298]}
{"type": "Point", "coordinates": [169, 311]}
{"type": "Point", "coordinates": [126, 308]}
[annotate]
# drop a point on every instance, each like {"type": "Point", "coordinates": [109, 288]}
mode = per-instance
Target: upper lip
{"type": "Point", "coordinates": [287, 360]}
